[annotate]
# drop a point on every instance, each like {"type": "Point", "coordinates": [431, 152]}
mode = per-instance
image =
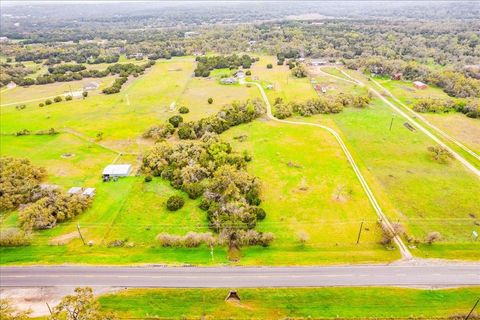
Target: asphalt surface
{"type": "Point", "coordinates": [451, 275]}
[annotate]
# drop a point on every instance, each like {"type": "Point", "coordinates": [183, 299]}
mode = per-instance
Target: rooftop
{"type": "Point", "coordinates": [117, 169]}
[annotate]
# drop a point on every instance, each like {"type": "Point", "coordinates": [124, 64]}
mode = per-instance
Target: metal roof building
{"type": "Point", "coordinates": [117, 170]}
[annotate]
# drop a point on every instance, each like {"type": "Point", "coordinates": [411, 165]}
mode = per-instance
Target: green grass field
{"type": "Point", "coordinates": [308, 187]}
{"type": "Point", "coordinates": [279, 303]}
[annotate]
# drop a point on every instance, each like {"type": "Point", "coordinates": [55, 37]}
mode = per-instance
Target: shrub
{"type": "Point", "coordinates": [259, 213]}
{"type": "Point", "coordinates": [299, 71]}
{"type": "Point", "coordinates": [183, 110]}
{"type": "Point", "coordinates": [282, 111]}
{"type": "Point", "coordinates": [174, 203]}
{"type": "Point", "coordinates": [185, 131]}
{"type": "Point", "coordinates": [210, 100]}
{"type": "Point", "coordinates": [158, 132]}
{"type": "Point", "coordinates": [194, 190]}
{"type": "Point", "coordinates": [48, 102]}
{"type": "Point", "coordinates": [433, 237]}
{"type": "Point", "coordinates": [190, 240]}
{"type": "Point", "coordinates": [440, 154]}
{"type": "Point", "coordinates": [14, 237]}
{"type": "Point", "coordinates": [148, 178]}
{"type": "Point", "coordinates": [68, 98]}
{"type": "Point", "coordinates": [269, 66]}
{"type": "Point", "coordinates": [85, 94]}
{"type": "Point", "coordinates": [248, 73]}
{"type": "Point", "coordinates": [41, 104]}
{"type": "Point", "coordinates": [57, 99]}
{"type": "Point", "coordinates": [175, 120]}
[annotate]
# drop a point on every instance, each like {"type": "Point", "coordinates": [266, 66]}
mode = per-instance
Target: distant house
{"type": "Point", "coordinates": [91, 86]}
{"type": "Point", "coordinates": [397, 76]}
{"type": "Point", "coordinates": [317, 62]}
{"type": "Point", "coordinates": [419, 85]}
{"type": "Point", "coordinates": [240, 74]}
{"type": "Point", "coordinates": [88, 192]}
{"type": "Point", "coordinates": [116, 170]}
{"type": "Point", "coordinates": [11, 85]}
{"type": "Point", "coordinates": [190, 34]}
{"type": "Point", "coordinates": [228, 81]}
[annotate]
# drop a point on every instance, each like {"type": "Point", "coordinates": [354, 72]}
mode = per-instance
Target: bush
{"type": "Point", "coordinates": [259, 213]}
{"type": "Point", "coordinates": [41, 104]}
{"type": "Point", "coordinates": [57, 99]}
{"type": "Point", "coordinates": [190, 240]}
{"type": "Point", "coordinates": [175, 120]}
{"type": "Point", "coordinates": [183, 110]}
{"type": "Point", "coordinates": [185, 131]}
{"type": "Point", "coordinates": [14, 238]}
{"type": "Point", "coordinates": [248, 73]}
{"type": "Point", "coordinates": [148, 178]}
{"type": "Point", "coordinates": [210, 100]}
{"type": "Point", "coordinates": [433, 237]}
{"type": "Point", "coordinates": [269, 66]}
{"type": "Point", "coordinates": [68, 98]}
{"type": "Point", "coordinates": [85, 94]}
{"type": "Point", "coordinates": [48, 102]}
{"type": "Point", "coordinates": [174, 203]}
{"type": "Point", "coordinates": [158, 132]}
{"type": "Point", "coordinates": [194, 190]}
{"type": "Point", "coordinates": [282, 111]}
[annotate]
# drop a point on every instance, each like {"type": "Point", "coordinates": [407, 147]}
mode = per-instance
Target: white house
{"type": "Point", "coordinates": [116, 170]}
{"type": "Point", "coordinates": [89, 192]}
{"type": "Point", "coordinates": [240, 74]}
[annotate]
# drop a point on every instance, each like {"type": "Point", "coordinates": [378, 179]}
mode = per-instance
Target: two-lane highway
{"type": "Point", "coordinates": [448, 275]}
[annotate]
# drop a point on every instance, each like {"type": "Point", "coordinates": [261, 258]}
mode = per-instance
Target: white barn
{"type": "Point", "coordinates": [117, 170]}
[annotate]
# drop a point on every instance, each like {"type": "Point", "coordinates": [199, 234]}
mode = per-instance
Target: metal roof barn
{"type": "Point", "coordinates": [117, 170]}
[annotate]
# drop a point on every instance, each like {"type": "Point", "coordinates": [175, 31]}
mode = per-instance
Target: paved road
{"type": "Point", "coordinates": [233, 277]}
{"type": "Point", "coordinates": [406, 254]}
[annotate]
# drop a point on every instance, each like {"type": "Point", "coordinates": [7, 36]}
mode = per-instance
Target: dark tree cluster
{"type": "Point", "coordinates": [19, 182]}
{"type": "Point", "coordinates": [471, 108]}
{"type": "Point", "coordinates": [52, 207]}
{"type": "Point", "coordinates": [229, 116]}
{"type": "Point", "coordinates": [454, 83]}
{"type": "Point", "coordinates": [207, 64]}
{"type": "Point", "coordinates": [210, 168]}
{"type": "Point", "coordinates": [320, 105]}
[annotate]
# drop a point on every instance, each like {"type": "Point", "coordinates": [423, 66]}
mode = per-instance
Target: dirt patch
{"type": "Point", "coordinates": [65, 238]}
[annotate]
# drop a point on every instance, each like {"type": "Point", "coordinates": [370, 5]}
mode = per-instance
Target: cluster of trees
{"type": "Point", "coordinates": [19, 182]}
{"type": "Point", "coordinates": [51, 207]}
{"type": "Point", "coordinates": [206, 64]}
{"type": "Point", "coordinates": [116, 86]}
{"type": "Point", "coordinates": [64, 68]}
{"type": "Point", "coordinates": [471, 107]}
{"type": "Point", "coordinates": [454, 83]}
{"type": "Point", "coordinates": [39, 208]}
{"type": "Point", "coordinates": [229, 116]}
{"type": "Point", "coordinates": [210, 169]}
{"type": "Point", "coordinates": [12, 73]}
{"type": "Point", "coordinates": [26, 132]}
{"type": "Point", "coordinates": [319, 105]}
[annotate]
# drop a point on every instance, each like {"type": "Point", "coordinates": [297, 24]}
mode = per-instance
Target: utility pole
{"type": "Point", "coordinates": [359, 233]}
{"type": "Point", "coordinates": [81, 237]}
{"type": "Point", "coordinates": [471, 311]}
{"type": "Point", "coordinates": [49, 309]}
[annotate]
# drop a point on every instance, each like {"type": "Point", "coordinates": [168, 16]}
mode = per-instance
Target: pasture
{"type": "Point", "coordinates": [318, 303]}
{"type": "Point", "coordinates": [313, 200]}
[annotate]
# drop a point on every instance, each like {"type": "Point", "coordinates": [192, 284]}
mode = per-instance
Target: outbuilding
{"type": "Point", "coordinates": [89, 192]}
{"type": "Point", "coordinates": [419, 85]}
{"type": "Point", "coordinates": [91, 86]}
{"type": "Point", "coordinates": [74, 190]}
{"type": "Point", "coordinates": [228, 81]}
{"type": "Point", "coordinates": [116, 170]}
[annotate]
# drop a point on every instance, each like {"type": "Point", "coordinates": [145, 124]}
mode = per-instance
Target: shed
{"type": "Point", "coordinates": [91, 86]}
{"type": "Point", "coordinates": [317, 62]}
{"type": "Point", "coordinates": [74, 190]}
{"type": "Point", "coordinates": [89, 192]}
{"type": "Point", "coordinates": [240, 74]}
{"type": "Point", "coordinates": [116, 170]}
{"type": "Point", "coordinates": [419, 85]}
{"type": "Point", "coordinates": [228, 81]}
{"type": "Point", "coordinates": [397, 76]}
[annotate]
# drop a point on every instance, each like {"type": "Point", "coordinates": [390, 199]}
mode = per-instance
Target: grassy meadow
{"type": "Point", "coordinates": [309, 190]}
{"type": "Point", "coordinates": [318, 303]}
